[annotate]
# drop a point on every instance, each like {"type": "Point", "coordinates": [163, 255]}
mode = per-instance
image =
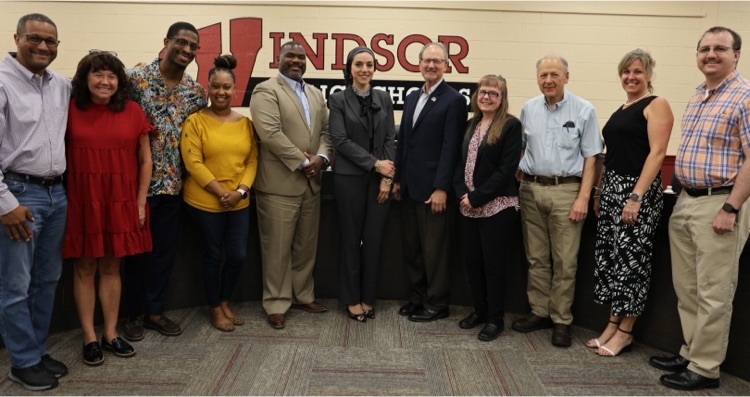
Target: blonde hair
{"type": "Point", "coordinates": [647, 61]}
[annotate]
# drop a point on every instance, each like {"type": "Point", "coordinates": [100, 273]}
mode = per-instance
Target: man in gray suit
{"type": "Point", "coordinates": [291, 120]}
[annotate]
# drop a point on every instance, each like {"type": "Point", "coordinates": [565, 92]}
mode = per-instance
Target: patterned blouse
{"type": "Point", "coordinates": [495, 205]}
{"type": "Point", "coordinates": [166, 110]}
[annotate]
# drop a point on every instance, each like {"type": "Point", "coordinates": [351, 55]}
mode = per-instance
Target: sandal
{"type": "Point", "coordinates": [596, 340]}
{"type": "Point", "coordinates": [624, 349]}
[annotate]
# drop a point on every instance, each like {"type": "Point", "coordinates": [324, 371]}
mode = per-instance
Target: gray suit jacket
{"type": "Point", "coordinates": [350, 136]}
{"type": "Point", "coordinates": [280, 123]}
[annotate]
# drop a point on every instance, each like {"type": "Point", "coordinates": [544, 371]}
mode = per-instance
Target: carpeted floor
{"type": "Point", "coordinates": [328, 354]}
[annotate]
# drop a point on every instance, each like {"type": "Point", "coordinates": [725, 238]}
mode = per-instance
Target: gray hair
{"type": "Point", "coordinates": [554, 56]}
{"type": "Point", "coordinates": [441, 45]}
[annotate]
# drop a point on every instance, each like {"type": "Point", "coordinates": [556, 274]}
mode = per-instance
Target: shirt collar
{"type": "Point", "coordinates": [558, 105]}
{"type": "Point", "coordinates": [423, 90]}
{"type": "Point", "coordinates": [727, 81]}
{"type": "Point", "coordinates": [294, 83]}
{"type": "Point", "coordinates": [20, 69]}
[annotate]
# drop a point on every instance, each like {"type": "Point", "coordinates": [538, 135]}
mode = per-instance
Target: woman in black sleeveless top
{"type": "Point", "coordinates": [628, 201]}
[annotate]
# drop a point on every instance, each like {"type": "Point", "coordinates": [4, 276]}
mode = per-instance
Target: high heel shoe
{"type": "Point", "coordinates": [624, 349]}
{"type": "Point", "coordinates": [596, 340]}
{"type": "Point", "coordinates": [361, 317]}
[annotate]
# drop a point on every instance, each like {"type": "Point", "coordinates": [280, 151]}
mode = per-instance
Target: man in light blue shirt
{"type": "Point", "coordinates": [561, 140]}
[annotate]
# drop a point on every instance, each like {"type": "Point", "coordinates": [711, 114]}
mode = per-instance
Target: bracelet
{"type": "Point", "coordinates": [597, 195]}
{"type": "Point", "coordinates": [377, 166]}
{"type": "Point", "coordinates": [387, 181]}
{"type": "Point", "coordinates": [597, 188]}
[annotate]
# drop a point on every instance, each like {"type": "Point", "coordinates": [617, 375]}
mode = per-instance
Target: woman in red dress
{"type": "Point", "coordinates": [108, 173]}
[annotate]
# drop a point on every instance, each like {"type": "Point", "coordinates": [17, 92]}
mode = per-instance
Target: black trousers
{"type": "Point", "coordinates": [486, 245]}
{"type": "Point", "coordinates": [427, 252]}
{"type": "Point", "coordinates": [146, 276]}
{"type": "Point", "coordinates": [363, 222]}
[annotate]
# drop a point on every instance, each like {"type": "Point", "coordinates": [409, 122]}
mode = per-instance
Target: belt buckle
{"type": "Point", "coordinates": [47, 181]}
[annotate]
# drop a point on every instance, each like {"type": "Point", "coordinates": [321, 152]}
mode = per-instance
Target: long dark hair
{"type": "Point", "coordinates": [501, 115]}
{"type": "Point", "coordinates": [95, 61]}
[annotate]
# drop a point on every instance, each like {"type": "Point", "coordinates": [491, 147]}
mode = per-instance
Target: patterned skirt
{"type": "Point", "coordinates": [623, 252]}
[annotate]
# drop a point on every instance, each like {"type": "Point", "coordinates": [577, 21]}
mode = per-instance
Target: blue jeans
{"type": "Point", "coordinates": [229, 229]}
{"type": "Point", "coordinates": [29, 271]}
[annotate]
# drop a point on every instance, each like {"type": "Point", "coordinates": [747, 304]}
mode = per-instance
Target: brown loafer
{"type": "Point", "coordinates": [312, 307]}
{"type": "Point", "coordinates": [561, 335]}
{"type": "Point", "coordinates": [531, 322]}
{"type": "Point", "coordinates": [276, 321]}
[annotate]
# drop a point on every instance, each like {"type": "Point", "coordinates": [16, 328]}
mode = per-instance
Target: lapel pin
{"type": "Point", "coordinates": [433, 99]}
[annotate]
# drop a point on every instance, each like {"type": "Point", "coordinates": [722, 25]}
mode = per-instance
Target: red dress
{"type": "Point", "coordinates": [102, 182]}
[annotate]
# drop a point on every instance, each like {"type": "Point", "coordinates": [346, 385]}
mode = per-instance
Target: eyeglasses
{"type": "Point", "coordinates": [491, 94]}
{"type": "Point", "coordinates": [94, 51]}
{"type": "Point", "coordinates": [718, 49]}
{"type": "Point", "coordinates": [36, 40]}
{"type": "Point", "coordinates": [183, 43]}
{"type": "Point", "coordinates": [436, 61]}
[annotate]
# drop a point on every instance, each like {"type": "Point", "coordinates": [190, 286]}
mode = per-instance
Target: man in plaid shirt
{"type": "Point", "coordinates": [711, 220]}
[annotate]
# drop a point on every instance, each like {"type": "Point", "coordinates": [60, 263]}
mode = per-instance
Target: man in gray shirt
{"type": "Point", "coordinates": [33, 116]}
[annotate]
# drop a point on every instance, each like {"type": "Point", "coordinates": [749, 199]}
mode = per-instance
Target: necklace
{"type": "Point", "coordinates": [648, 94]}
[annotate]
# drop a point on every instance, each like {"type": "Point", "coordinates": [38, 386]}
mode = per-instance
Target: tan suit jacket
{"type": "Point", "coordinates": [280, 123]}
{"type": "Point", "coordinates": [288, 203]}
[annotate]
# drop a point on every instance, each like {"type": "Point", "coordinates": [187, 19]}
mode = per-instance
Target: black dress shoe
{"type": "Point", "coordinates": [119, 347]}
{"type": "Point", "coordinates": [673, 364]}
{"type": "Point", "coordinates": [409, 308]}
{"type": "Point", "coordinates": [532, 322]}
{"type": "Point", "coordinates": [490, 331]}
{"type": "Point", "coordinates": [471, 321]}
{"type": "Point", "coordinates": [425, 315]}
{"type": "Point", "coordinates": [688, 380]}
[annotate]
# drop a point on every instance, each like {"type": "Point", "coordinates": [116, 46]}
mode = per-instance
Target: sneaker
{"type": "Point", "coordinates": [34, 378]}
{"type": "Point", "coordinates": [92, 354]}
{"type": "Point", "coordinates": [56, 368]}
{"type": "Point", "coordinates": [134, 329]}
{"type": "Point", "coordinates": [164, 325]}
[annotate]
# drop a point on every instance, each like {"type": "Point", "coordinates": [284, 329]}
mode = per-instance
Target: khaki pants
{"type": "Point", "coordinates": [288, 228]}
{"type": "Point", "coordinates": [704, 274]}
{"type": "Point", "coordinates": [548, 231]}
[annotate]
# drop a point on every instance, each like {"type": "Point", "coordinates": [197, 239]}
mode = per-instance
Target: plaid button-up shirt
{"type": "Point", "coordinates": [715, 130]}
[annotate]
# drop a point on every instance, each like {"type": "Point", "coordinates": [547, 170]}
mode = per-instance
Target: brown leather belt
{"type": "Point", "coordinates": [708, 191]}
{"type": "Point", "coordinates": [37, 180]}
{"type": "Point", "coordinates": [551, 180]}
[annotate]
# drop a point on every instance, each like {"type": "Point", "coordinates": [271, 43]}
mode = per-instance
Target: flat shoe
{"type": "Point", "coordinates": [119, 347]}
{"type": "Point", "coordinates": [225, 327]}
{"type": "Point", "coordinates": [92, 354]}
{"type": "Point", "coordinates": [236, 320]}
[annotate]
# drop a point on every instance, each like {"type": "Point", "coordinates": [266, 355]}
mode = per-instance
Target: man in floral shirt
{"type": "Point", "coordinates": [168, 96]}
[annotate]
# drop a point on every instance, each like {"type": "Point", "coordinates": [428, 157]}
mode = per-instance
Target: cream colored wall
{"type": "Point", "coordinates": [504, 37]}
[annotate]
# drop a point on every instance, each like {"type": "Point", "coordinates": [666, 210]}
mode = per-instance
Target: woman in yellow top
{"type": "Point", "coordinates": [220, 153]}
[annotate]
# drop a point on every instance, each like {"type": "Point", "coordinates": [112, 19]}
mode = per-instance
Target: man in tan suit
{"type": "Point", "coordinates": [291, 119]}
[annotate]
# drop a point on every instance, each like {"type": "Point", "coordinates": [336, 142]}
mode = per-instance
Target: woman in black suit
{"type": "Point", "coordinates": [488, 193]}
{"type": "Point", "coordinates": [363, 133]}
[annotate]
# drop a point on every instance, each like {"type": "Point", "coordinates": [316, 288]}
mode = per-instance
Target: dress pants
{"type": "Point", "coordinates": [288, 228]}
{"type": "Point", "coordinates": [362, 221]}
{"type": "Point", "coordinates": [704, 273]}
{"type": "Point", "coordinates": [487, 243]}
{"type": "Point", "coordinates": [426, 252]}
{"type": "Point", "coordinates": [29, 271]}
{"type": "Point", "coordinates": [147, 275]}
{"type": "Point", "coordinates": [548, 231]}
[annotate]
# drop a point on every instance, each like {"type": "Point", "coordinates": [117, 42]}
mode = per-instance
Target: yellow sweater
{"type": "Point", "coordinates": [212, 149]}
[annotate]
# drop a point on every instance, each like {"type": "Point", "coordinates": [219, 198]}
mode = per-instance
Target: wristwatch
{"type": "Point", "coordinates": [635, 197]}
{"type": "Point", "coordinates": [728, 208]}
{"type": "Point", "coordinates": [243, 192]}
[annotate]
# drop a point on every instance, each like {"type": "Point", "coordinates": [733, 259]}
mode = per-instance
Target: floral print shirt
{"type": "Point", "coordinates": [166, 110]}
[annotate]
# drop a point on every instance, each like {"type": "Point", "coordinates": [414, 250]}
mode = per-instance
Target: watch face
{"type": "Point", "coordinates": [635, 197]}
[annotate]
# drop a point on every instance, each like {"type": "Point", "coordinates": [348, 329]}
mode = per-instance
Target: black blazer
{"type": "Point", "coordinates": [350, 136]}
{"type": "Point", "coordinates": [427, 153]}
{"type": "Point", "coordinates": [495, 169]}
